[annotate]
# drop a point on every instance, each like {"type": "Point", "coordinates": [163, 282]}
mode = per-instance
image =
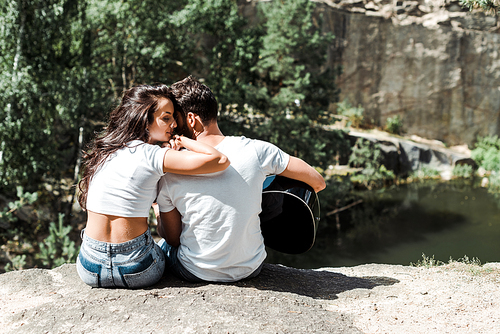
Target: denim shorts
{"type": "Point", "coordinates": [175, 267]}
{"type": "Point", "coordinates": [137, 263]}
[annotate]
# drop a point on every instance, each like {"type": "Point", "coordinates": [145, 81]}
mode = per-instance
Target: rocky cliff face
{"type": "Point", "coordinates": [429, 61]}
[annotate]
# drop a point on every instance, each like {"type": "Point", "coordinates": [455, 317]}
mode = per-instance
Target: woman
{"type": "Point", "coordinates": [122, 168]}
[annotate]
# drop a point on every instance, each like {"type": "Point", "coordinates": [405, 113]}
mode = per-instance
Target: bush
{"type": "Point", "coordinates": [425, 173]}
{"type": "Point", "coordinates": [58, 248]}
{"type": "Point", "coordinates": [394, 125]}
{"type": "Point", "coordinates": [353, 114]}
{"type": "Point", "coordinates": [369, 157]}
{"type": "Point", "coordinates": [463, 171]}
{"type": "Point", "coordinates": [487, 153]}
{"type": "Point", "coordinates": [494, 182]}
{"type": "Point", "coordinates": [8, 215]}
{"type": "Point", "coordinates": [17, 263]}
{"type": "Point", "coordinates": [19, 237]}
{"type": "Point", "coordinates": [16, 234]}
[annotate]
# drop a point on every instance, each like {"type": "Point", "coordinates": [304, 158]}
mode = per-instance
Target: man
{"type": "Point", "coordinates": [211, 222]}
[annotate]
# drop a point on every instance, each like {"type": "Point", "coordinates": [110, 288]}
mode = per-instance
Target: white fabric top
{"type": "Point", "coordinates": [126, 183]}
{"type": "Point", "coordinates": [221, 238]}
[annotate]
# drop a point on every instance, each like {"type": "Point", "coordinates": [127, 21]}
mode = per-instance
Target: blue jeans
{"type": "Point", "coordinates": [137, 263]}
{"type": "Point", "coordinates": [175, 267]}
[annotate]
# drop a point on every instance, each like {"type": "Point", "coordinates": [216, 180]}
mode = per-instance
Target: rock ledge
{"type": "Point", "coordinates": [362, 299]}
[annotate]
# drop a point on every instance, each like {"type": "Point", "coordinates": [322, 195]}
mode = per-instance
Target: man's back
{"type": "Point", "coordinates": [221, 238]}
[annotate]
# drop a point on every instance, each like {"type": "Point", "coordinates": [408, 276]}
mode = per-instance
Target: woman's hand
{"type": "Point", "coordinates": [156, 209]}
{"type": "Point", "coordinates": [175, 143]}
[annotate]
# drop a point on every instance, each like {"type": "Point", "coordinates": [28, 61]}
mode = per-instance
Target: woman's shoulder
{"type": "Point", "coordinates": [135, 143]}
{"type": "Point", "coordinates": [139, 145]}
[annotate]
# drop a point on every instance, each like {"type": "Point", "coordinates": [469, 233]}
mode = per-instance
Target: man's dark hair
{"type": "Point", "coordinates": [193, 96]}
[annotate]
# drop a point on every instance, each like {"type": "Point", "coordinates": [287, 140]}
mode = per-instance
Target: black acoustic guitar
{"type": "Point", "coordinates": [290, 215]}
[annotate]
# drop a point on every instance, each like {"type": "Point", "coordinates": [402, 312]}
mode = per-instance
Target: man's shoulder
{"type": "Point", "coordinates": [246, 140]}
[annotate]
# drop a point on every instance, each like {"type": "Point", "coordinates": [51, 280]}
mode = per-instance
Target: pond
{"type": "Point", "coordinates": [397, 225]}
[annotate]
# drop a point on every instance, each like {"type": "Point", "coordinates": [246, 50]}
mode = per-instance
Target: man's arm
{"type": "Point", "coordinates": [298, 169]}
{"type": "Point", "coordinates": [170, 226]}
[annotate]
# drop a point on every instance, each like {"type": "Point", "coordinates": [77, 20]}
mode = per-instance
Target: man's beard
{"type": "Point", "coordinates": [185, 131]}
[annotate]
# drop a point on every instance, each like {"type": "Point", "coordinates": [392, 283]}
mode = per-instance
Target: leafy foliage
{"type": "Point", "coordinates": [424, 173]}
{"type": "Point", "coordinates": [427, 262]}
{"type": "Point", "coordinates": [291, 90]}
{"type": "Point", "coordinates": [353, 114]}
{"type": "Point", "coordinates": [369, 156]}
{"type": "Point", "coordinates": [13, 231]}
{"type": "Point", "coordinates": [487, 153]}
{"type": "Point", "coordinates": [268, 75]}
{"type": "Point", "coordinates": [7, 215]}
{"type": "Point", "coordinates": [394, 125]}
{"type": "Point", "coordinates": [38, 84]}
{"type": "Point", "coordinates": [58, 248]}
{"type": "Point", "coordinates": [494, 183]}
{"type": "Point", "coordinates": [486, 5]}
{"type": "Point", "coordinates": [463, 171]}
{"type": "Point", "coordinates": [17, 263]}
{"type": "Point", "coordinates": [10, 224]}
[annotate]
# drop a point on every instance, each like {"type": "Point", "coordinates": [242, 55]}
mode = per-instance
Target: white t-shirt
{"type": "Point", "coordinates": [221, 238]}
{"type": "Point", "coordinates": [126, 184]}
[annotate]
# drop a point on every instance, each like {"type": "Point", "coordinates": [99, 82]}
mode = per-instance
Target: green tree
{"type": "Point", "coordinates": [269, 75]}
{"type": "Point", "coordinates": [226, 47]}
{"type": "Point", "coordinates": [293, 88]}
{"type": "Point", "coordinates": [135, 42]}
{"type": "Point", "coordinates": [62, 67]}
{"type": "Point", "coordinates": [38, 86]}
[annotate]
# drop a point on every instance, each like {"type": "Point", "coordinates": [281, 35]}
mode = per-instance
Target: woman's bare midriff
{"type": "Point", "coordinates": [114, 229]}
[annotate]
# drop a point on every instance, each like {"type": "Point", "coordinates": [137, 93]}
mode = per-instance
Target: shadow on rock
{"type": "Point", "coordinates": [318, 284]}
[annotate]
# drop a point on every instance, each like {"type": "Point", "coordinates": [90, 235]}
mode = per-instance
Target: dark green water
{"type": "Point", "coordinates": [397, 225]}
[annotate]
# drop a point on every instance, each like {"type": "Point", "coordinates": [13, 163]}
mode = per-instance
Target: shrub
{"type": "Point", "coordinates": [427, 262]}
{"type": "Point", "coordinates": [494, 182]}
{"type": "Point", "coordinates": [394, 125]}
{"type": "Point", "coordinates": [369, 157]}
{"type": "Point", "coordinates": [17, 263]}
{"type": "Point", "coordinates": [58, 248]}
{"type": "Point", "coordinates": [353, 114]}
{"type": "Point", "coordinates": [8, 215]}
{"type": "Point", "coordinates": [425, 173]}
{"type": "Point", "coordinates": [463, 171]}
{"type": "Point", "coordinates": [487, 153]}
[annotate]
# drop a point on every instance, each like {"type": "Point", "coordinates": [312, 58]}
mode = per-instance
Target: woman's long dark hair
{"type": "Point", "coordinates": [129, 121]}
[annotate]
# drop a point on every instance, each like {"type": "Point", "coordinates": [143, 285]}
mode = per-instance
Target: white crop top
{"type": "Point", "coordinates": [125, 185]}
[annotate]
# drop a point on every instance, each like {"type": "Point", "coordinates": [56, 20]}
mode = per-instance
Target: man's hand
{"type": "Point", "coordinates": [156, 209]}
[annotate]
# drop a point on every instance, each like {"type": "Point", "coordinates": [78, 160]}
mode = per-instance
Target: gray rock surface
{"type": "Point", "coordinates": [403, 155]}
{"type": "Point", "coordinates": [363, 299]}
{"type": "Point", "coordinates": [431, 62]}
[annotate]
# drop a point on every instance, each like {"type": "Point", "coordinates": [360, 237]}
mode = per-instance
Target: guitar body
{"type": "Point", "coordinates": [290, 215]}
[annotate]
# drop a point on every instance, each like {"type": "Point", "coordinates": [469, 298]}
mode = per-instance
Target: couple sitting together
{"type": "Point", "coordinates": [207, 186]}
